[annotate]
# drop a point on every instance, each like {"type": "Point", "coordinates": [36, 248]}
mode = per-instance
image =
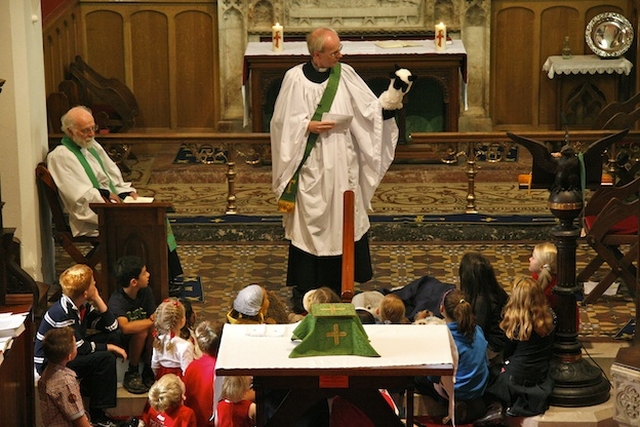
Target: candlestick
{"type": "Point", "coordinates": [441, 37]}
{"type": "Point", "coordinates": [277, 37]}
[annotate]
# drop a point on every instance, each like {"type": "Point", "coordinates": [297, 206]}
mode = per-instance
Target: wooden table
{"type": "Point", "coordinates": [264, 70]}
{"type": "Point", "coordinates": [406, 351]}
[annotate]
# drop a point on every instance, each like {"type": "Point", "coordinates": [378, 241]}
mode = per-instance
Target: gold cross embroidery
{"type": "Point", "coordinates": [331, 308]}
{"type": "Point", "coordinates": [336, 334]}
{"type": "Point", "coordinates": [293, 181]}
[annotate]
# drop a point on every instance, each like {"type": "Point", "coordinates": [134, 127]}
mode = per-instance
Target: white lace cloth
{"type": "Point", "coordinates": [586, 64]}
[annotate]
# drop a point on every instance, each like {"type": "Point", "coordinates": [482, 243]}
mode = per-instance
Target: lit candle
{"type": "Point", "coordinates": [441, 37]}
{"type": "Point", "coordinates": [277, 37]}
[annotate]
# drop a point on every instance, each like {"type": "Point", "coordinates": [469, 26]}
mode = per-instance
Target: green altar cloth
{"type": "Point", "coordinates": [331, 329]}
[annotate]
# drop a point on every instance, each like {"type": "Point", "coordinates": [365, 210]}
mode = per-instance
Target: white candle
{"type": "Point", "coordinates": [441, 37]}
{"type": "Point", "coordinates": [277, 37]}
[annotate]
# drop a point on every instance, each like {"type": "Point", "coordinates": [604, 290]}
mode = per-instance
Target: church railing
{"type": "Point", "coordinates": [620, 162]}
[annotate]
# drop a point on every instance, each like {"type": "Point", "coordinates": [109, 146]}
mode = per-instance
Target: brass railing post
{"type": "Point", "coordinates": [471, 179]}
{"type": "Point", "coordinates": [232, 208]}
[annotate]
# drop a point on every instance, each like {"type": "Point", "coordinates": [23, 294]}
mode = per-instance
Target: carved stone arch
{"type": "Point", "coordinates": [444, 11]}
{"type": "Point", "coordinates": [475, 16]}
{"type": "Point", "coordinates": [262, 14]}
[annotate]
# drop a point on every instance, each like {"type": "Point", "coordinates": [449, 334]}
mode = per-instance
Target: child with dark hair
{"type": "Point", "coordinates": [58, 388]}
{"type": "Point", "coordinates": [134, 305]}
{"type": "Point", "coordinates": [199, 377]}
{"type": "Point", "coordinates": [479, 283]}
{"type": "Point", "coordinates": [472, 374]}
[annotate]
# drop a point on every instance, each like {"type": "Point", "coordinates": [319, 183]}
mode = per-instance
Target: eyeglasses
{"type": "Point", "coordinates": [335, 53]}
{"type": "Point", "coordinates": [87, 131]}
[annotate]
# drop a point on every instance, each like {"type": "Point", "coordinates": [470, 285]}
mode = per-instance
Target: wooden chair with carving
{"type": "Point", "coordinates": [62, 232]}
{"type": "Point", "coordinates": [611, 226]}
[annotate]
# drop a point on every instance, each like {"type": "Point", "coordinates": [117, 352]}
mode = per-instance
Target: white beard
{"type": "Point", "coordinates": [82, 142]}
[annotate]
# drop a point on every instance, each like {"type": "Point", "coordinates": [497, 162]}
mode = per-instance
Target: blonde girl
{"type": "Point", "coordinates": [524, 385]}
{"type": "Point", "coordinates": [171, 353]}
{"type": "Point", "coordinates": [237, 406]}
{"type": "Point", "coordinates": [542, 265]}
{"type": "Point", "coordinates": [166, 398]}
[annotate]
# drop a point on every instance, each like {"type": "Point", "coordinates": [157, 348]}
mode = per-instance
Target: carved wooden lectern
{"type": "Point", "coordinates": [134, 229]}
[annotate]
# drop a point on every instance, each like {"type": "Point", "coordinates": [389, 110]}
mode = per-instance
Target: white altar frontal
{"type": "Point", "coordinates": [406, 351]}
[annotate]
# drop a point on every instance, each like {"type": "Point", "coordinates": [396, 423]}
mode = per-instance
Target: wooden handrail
{"type": "Point", "coordinates": [420, 147]}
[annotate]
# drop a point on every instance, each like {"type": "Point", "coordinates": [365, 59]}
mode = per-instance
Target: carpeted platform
{"type": "Point", "coordinates": [406, 190]}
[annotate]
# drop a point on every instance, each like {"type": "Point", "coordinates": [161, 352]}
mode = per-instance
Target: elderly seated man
{"type": "Point", "coordinates": [85, 174]}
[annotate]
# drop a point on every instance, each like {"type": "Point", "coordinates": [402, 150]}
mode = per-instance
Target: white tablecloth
{"type": "Point", "coordinates": [586, 64]}
{"type": "Point", "coordinates": [268, 346]}
{"type": "Point", "coordinates": [417, 47]}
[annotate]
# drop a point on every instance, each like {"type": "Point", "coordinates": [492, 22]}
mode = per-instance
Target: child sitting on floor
{"type": "Point", "coordinates": [525, 384]}
{"type": "Point", "coordinates": [58, 387]}
{"type": "Point", "coordinates": [171, 353]}
{"type": "Point", "coordinates": [321, 295]}
{"type": "Point", "coordinates": [391, 310]}
{"type": "Point", "coordinates": [542, 265]}
{"type": "Point", "coordinates": [472, 374]}
{"type": "Point", "coordinates": [187, 332]}
{"type": "Point", "coordinates": [199, 377]}
{"type": "Point", "coordinates": [237, 407]}
{"type": "Point", "coordinates": [250, 306]}
{"type": "Point", "coordinates": [166, 398]}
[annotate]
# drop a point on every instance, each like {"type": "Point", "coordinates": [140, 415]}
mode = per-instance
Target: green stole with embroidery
{"type": "Point", "coordinates": [73, 147]}
{"type": "Point", "coordinates": [288, 199]}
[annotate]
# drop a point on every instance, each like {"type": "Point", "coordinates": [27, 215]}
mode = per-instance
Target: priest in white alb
{"type": "Point", "coordinates": [329, 133]}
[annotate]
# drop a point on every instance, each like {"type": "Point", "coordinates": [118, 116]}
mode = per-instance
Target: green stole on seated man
{"type": "Point", "coordinates": [73, 147]}
{"type": "Point", "coordinates": [288, 198]}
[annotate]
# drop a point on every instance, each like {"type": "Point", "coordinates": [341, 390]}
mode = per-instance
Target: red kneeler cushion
{"type": "Point", "coordinates": [629, 225]}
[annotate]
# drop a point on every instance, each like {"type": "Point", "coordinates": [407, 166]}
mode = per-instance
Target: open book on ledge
{"type": "Point", "coordinates": [140, 199]}
{"type": "Point", "coordinates": [389, 44]}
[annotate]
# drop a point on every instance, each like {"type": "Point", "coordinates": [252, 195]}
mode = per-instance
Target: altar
{"type": "Point", "coordinates": [434, 101]}
{"type": "Point", "coordinates": [406, 351]}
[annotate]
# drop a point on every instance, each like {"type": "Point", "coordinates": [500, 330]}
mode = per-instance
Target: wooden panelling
{"type": "Point", "coordinates": [195, 33]}
{"type": "Point", "coordinates": [165, 52]}
{"type": "Point", "coordinates": [512, 102]}
{"type": "Point", "coordinates": [104, 33]}
{"type": "Point", "coordinates": [60, 39]}
{"type": "Point", "coordinates": [150, 66]}
{"type": "Point", "coordinates": [524, 34]}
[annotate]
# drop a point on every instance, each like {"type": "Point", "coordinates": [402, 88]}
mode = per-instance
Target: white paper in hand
{"type": "Point", "coordinates": [342, 121]}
